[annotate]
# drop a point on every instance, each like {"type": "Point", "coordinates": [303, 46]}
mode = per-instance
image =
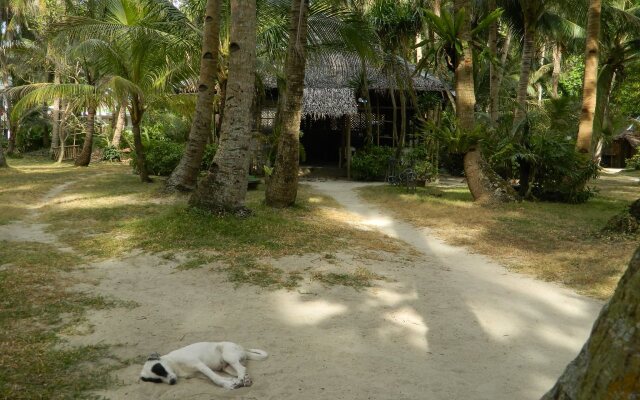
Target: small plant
{"type": "Point", "coordinates": [111, 153]}
{"type": "Point", "coordinates": [634, 162]}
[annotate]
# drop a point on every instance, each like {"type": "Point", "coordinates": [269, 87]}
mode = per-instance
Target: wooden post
{"type": "Point", "coordinates": [347, 132]}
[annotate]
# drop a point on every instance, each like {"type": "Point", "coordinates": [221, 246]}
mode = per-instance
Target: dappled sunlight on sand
{"type": "Point", "coordinates": [408, 323]}
{"type": "Point", "coordinates": [296, 311]}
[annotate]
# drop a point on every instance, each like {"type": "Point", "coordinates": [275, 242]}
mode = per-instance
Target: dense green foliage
{"type": "Point", "coordinates": [371, 163]}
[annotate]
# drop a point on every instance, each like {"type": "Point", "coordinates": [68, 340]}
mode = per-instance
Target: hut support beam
{"type": "Point", "coordinates": [347, 133]}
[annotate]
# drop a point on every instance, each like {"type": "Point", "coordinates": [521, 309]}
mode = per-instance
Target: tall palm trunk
{"type": "Point", "coordinates": [185, 176]}
{"type": "Point", "coordinates": [590, 86]}
{"type": "Point", "coordinates": [608, 366]}
{"type": "Point", "coordinates": [494, 89]}
{"type": "Point", "coordinates": [283, 184]}
{"type": "Point", "coordinates": [121, 122]}
{"type": "Point", "coordinates": [484, 184]}
{"type": "Point", "coordinates": [528, 50]}
{"type": "Point", "coordinates": [137, 112]}
{"type": "Point", "coordinates": [557, 69]}
{"type": "Point", "coordinates": [55, 118]}
{"type": "Point", "coordinates": [84, 158]}
{"type": "Point", "coordinates": [225, 186]}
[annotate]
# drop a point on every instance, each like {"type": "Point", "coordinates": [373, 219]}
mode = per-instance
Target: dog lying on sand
{"type": "Point", "coordinates": [204, 357]}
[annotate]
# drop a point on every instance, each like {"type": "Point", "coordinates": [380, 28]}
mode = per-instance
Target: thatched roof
{"type": "Point", "coordinates": [331, 81]}
{"type": "Point", "coordinates": [631, 135]}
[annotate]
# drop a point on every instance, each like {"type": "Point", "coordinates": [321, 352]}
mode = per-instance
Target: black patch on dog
{"type": "Point", "coordinates": [154, 380]}
{"type": "Point", "coordinates": [159, 370]}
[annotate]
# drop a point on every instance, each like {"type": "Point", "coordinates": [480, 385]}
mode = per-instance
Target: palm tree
{"type": "Point", "coordinates": [121, 122]}
{"type": "Point", "coordinates": [590, 86]}
{"type": "Point", "coordinates": [3, 161]}
{"type": "Point", "coordinates": [607, 366]}
{"type": "Point", "coordinates": [139, 46]}
{"type": "Point", "coordinates": [282, 188]}
{"type": "Point", "coordinates": [225, 186]}
{"type": "Point", "coordinates": [185, 176]}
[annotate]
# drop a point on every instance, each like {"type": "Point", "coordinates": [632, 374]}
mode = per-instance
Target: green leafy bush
{"type": "Point", "coordinates": [162, 157]}
{"type": "Point", "coordinates": [111, 153]}
{"type": "Point", "coordinates": [371, 163]}
{"type": "Point", "coordinates": [634, 162]}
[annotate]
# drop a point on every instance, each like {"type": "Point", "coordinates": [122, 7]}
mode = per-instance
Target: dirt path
{"type": "Point", "coordinates": [447, 324]}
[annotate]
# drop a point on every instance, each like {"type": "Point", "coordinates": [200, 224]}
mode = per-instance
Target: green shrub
{"type": "Point", "coordinates": [162, 157]}
{"type": "Point", "coordinates": [111, 153]}
{"type": "Point", "coordinates": [371, 163]}
{"type": "Point", "coordinates": [634, 162]}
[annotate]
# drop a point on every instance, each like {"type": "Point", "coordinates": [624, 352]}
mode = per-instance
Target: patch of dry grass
{"type": "Point", "coordinates": [34, 307]}
{"type": "Point", "coordinates": [554, 242]}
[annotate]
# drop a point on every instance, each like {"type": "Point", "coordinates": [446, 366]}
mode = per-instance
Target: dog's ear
{"type": "Point", "coordinates": [153, 357]}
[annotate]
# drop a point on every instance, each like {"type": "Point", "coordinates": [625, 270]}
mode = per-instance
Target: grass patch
{"type": "Point", "coordinates": [246, 270]}
{"type": "Point", "coordinates": [360, 278]}
{"type": "Point", "coordinates": [552, 241]}
{"type": "Point", "coordinates": [34, 307]}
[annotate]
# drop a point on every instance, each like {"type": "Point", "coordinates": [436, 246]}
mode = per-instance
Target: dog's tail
{"type": "Point", "coordinates": [256, 354]}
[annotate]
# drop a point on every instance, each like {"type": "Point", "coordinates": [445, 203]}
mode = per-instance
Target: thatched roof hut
{"type": "Point", "coordinates": [622, 147]}
{"type": "Point", "coordinates": [331, 81]}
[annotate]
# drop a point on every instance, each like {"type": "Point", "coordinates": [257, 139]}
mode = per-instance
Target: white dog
{"type": "Point", "coordinates": [205, 357]}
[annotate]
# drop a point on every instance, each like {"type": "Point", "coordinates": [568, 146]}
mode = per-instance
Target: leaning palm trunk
{"type": "Point", "coordinates": [484, 184]}
{"type": "Point", "coordinates": [283, 184]}
{"type": "Point", "coordinates": [185, 176]}
{"type": "Point", "coordinates": [225, 186]}
{"type": "Point", "coordinates": [84, 158]}
{"type": "Point", "coordinates": [120, 124]}
{"type": "Point", "coordinates": [590, 86]}
{"type": "Point", "coordinates": [136, 118]}
{"type": "Point", "coordinates": [608, 367]}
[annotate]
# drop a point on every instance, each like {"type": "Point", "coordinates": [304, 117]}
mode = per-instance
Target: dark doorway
{"type": "Point", "coordinates": [322, 140]}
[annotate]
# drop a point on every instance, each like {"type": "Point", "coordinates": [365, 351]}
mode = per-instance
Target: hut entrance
{"type": "Point", "coordinates": [322, 141]}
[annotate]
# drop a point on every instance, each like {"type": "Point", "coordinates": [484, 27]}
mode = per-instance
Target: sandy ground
{"type": "Point", "coordinates": [447, 325]}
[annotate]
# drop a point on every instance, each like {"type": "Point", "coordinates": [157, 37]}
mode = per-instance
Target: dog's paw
{"type": "Point", "coordinates": [234, 384]}
{"type": "Point", "coordinates": [246, 381]}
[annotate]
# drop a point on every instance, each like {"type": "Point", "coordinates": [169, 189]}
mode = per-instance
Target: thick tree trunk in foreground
{"type": "Point", "coordinates": [136, 118]}
{"type": "Point", "coordinates": [225, 186]}
{"type": "Point", "coordinates": [590, 85]}
{"type": "Point", "coordinates": [608, 367]}
{"type": "Point", "coordinates": [283, 184]}
{"type": "Point", "coordinates": [485, 185]}
{"type": "Point", "coordinates": [84, 158]}
{"type": "Point", "coordinates": [185, 176]}
{"type": "Point", "coordinates": [121, 122]}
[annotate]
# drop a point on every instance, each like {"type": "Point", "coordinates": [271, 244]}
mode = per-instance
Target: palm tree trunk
{"type": "Point", "coordinates": [3, 160]}
{"type": "Point", "coordinates": [283, 185]}
{"type": "Point", "coordinates": [185, 176]}
{"type": "Point", "coordinates": [484, 184]}
{"type": "Point", "coordinates": [225, 186]}
{"type": "Point", "coordinates": [121, 122]}
{"type": "Point", "coordinates": [525, 71]}
{"type": "Point", "coordinates": [137, 112]}
{"type": "Point", "coordinates": [557, 69]}
{"type": "Point", "coordinates": [55, 117]}
{"type": "Point", "coordinates": [590, 86]}
{"type": "Point", "coordinates": [608, 366]}
{"type": "Point", "coordinates": [494, 89]}
{"type": "Point", "coordinates": [84, 158]}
